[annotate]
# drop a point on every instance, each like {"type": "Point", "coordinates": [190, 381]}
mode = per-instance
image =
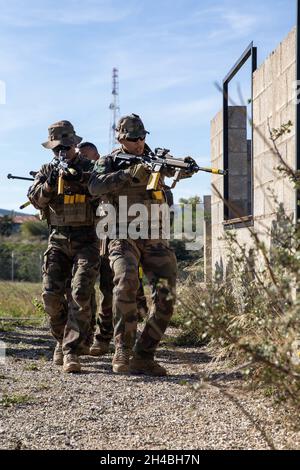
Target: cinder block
{"type": "Point", "coordinates": [215, 197]}
{"type": "Point", "coordinates": [237, 117]}
{"type": "Point", "coordinates": [270, 66]}
{"type": "Point", "coordinates": [266, 104]}
{"type": "Point", "coordinates": [258, 81]}
{"type": "Point", "coordinates": [280, 92]}
{"type": "Point", "coordinates": [291, 152]}
{"type": "Point", "coordinates": [288, 50]}
{"type": "Point", "coordinates": [263, 169]}
{"type": "Point", "coordinates": [238, 187]}
{"type": "Point", "coordinates": [291, 85]}
{"type": "Point", "coordinates": [237, 140]}
{"type": "Point", "coordinates": [213, 149]}
{"type": "Point", "coordinates": [288, 113]}
{"type": "Point", "coordinates": [215, 213]}
{"type": "Point", "coordinates": [216, 123]}
{"type": "Point", "coordinates": [218, 182]}
{"type": "Point", "coordinates": [259, 202]}
{"type": "Point", "coordinates": [259, 140]}
{"type": "Point", "coordinates": [289, 195]}
{"type": "Point", "coordinates": [238, 164]}
{"type": "Point", "coordinates": [256, 111]}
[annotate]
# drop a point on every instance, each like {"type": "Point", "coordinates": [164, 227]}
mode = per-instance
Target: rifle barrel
{"type": "Point", "coordinates": [216, 171]}
{"type": "Point", "coordinates": [13, 177]}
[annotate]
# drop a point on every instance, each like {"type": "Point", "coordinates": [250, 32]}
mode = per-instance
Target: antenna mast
{"type": "Point", "coordinates": [115, 108]}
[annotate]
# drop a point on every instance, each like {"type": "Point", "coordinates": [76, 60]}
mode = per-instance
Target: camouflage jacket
{"type": "Point", "coordinates": [109, 180]}
{"type": "Point", "coordinates": [76, 207]}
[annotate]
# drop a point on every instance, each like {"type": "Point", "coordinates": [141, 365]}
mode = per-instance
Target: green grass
{"type": "Point", "coordinates": [31, 367]}
{"type": "Point", "coordinates": [20, 300]}
{"type": "Point", "coordinates": [10, 400]}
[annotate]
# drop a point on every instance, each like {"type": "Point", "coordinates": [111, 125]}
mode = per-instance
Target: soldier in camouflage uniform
{"type": "Point", "coordinates": [73, 249]}
{"type": "Point", "coordinates": [158, 261]}
{"type": "Point", "coordinates": [104, 323]}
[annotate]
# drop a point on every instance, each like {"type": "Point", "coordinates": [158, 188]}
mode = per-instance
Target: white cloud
{"type": "Point", "coordinates": [69, 12]}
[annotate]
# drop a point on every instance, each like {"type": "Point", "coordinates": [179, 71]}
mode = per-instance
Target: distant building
{"type": "Point", "coordinates": [18, 218]}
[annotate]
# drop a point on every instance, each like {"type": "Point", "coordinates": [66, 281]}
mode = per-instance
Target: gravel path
{"type": "Point", "coordinates": [46, 409]}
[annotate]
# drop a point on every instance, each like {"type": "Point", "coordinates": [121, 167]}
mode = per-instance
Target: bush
{"type": "Point", "coordinates": [253, 314]}
{"type": "Point", "coordinates": [38, 228]}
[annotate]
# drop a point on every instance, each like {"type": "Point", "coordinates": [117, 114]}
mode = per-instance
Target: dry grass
{"type": "Point", "coordinates": [20, 300]}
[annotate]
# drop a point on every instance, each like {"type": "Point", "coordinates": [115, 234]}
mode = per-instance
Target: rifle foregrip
{"type": "Point", "coordinates": [60, 189]}
{"type": "Point", "coordinates": [25, 205]}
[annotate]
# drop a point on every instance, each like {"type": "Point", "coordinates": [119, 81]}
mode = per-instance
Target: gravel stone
{"type": "Point", "coordinates": [99, 410]}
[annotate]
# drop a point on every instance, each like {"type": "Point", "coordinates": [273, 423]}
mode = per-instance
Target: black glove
{"type": "Point", "coordinates": [190, 160]}
{"type": "Point", "coordinates": [52, 178]}
{"type": "Point", "coordinates": [72, 173]}
{"type": "Point", "coordinates": [192, 169]}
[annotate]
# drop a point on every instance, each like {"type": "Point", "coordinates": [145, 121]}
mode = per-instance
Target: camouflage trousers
{"type": "Point", "coordinates": [89, 340]}
{"type": "Point", "coordinates": [104, 325]}
{"type": "Point", "coordinates": [159, 265]}
{"type": "Point", "coordinates": [72, 253]}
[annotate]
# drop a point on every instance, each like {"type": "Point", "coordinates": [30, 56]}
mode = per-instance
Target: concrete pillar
{"type": "Point", "coordinates": [238, 148]}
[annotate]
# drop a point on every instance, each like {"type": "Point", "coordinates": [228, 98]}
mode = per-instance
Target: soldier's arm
{"type": "Point", "coordinates": [105, 179]}
{"type": "Point", "coordinates": [40, 192]}
{"type": "Point", "coordinates": [168, 172]}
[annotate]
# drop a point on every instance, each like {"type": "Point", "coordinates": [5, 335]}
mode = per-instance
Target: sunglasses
{"type": "Point", "coordinates": [136, 140]}
{"type": "Point", "coordinates": [62, 148]}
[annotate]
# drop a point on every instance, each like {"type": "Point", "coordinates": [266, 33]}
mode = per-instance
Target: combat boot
{"type": "Point", "coordinates": [139, 365]}
{"type": "Point", "coordinates": [58, 357]}
{"type": "Point", "coordinates": [99, 348]}
{"type": "Point", "coordinates": [71, 363]}
{"type": "Point", "coordinates": [83, 350]}
{"type": "Point", "coordinates": [120, 362]}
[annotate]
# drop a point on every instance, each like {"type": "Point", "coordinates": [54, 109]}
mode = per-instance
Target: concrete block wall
{"type": "Point", "coordinates": [273, 105]}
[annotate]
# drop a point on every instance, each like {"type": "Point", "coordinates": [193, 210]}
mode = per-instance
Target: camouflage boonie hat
{"type": "Point", "coordinates": [61, 133]}
{"type": "Point", "coordinates": [131, 127]}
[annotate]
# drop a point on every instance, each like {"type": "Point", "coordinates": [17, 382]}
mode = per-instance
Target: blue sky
{"type": "Point", "coordinates": [56, 59]}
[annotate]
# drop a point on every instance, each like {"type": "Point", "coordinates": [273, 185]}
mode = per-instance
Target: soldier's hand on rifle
{"type": "Point", "coordinates": [191, 161]}
{"type": "Point", "coordinates": [189, 171]}
{"type": "Point", "coordinates": [72, 174]}
{"type": "Point", "coordinates": [52, 178]}
{"type": "Point", "coordinates": [140, 173]}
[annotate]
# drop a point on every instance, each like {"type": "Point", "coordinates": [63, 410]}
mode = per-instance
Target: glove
{"type": "Point", "coordinates": [189, 172]}
{"type": "Point", "coordinates": [140, 173]}
{"type": "Point", "coordinates": [52, 178]}
{"type": "Point", "coordinates": [72, 174]}
{"type": "Point", "coordinates": [190, 160]}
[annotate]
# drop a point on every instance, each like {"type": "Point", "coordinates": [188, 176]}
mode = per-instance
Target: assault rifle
{"type": "Point", "coordinates": [61, 164]}
{"type": "Point", "coordinates": [160, 159]}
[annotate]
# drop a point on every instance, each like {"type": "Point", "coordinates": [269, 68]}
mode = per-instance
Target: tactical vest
{"type": "Point", "coordinates": [73, 208]}
{"type": "Point", "coordinates": [136, 193]}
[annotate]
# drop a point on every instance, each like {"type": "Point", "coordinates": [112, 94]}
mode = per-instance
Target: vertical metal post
{"type": "Point", "coordinates": [225, 146]}
{"type": "Point", "coordinates": [12, 266]}
{"type": "Point", "coordinates": [253, 68]}
{"type": "Point", "coordinates": [297, 129]}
